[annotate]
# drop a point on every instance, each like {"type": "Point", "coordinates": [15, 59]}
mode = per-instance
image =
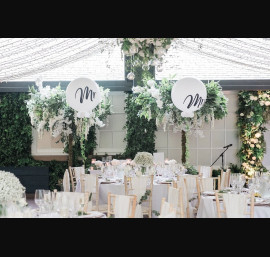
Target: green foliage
{"type": "Point", "coordinates": [16, 140]}
{"type": "Point", "coordinates": [145, 196]}
{"type": "Point", "coordinates": [140, 135]}
{"type": "Point", "coordinates": [191, 169]}
{"type": "Point", "coordinates": [234, 168]}
{"type": "Point", "coordinates": [15, 130]}
{"type": "Point", "coordinates": [156, 212]}
{"type": "Point", "coordinates": [252, 115]}
{"type": "Point", "coordinates": [216, 173]}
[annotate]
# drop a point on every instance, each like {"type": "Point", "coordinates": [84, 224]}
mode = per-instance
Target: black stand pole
{"type": "Point", "coordinates": [222, 158]}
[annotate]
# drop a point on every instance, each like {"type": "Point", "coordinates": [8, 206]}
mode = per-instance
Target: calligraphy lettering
{"type": "Point", "coordinates": [197, 100]}
{"type": "Point", "coordinates": [85, 94]}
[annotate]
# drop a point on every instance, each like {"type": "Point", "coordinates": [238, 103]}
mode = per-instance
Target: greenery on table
{"type": "Point", "coordinates": [191, 169]}
{"type": "Point", "coordinates": [155, 212]}
{"type": "Point", "coordinates": [154, 100]}
{"type": "Point", "coordinates": [252, 115]}
{"type": "Point", "coordinates": [234, 168]}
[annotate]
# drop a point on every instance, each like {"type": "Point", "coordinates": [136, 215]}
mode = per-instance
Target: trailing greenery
{"type": "Point", "coordinates": [145, 196]}
{"type": "Point", "coordinates": [140, 136]}
{"type": "Point", "coordinates": [252, 115]}
{"type": "Point", "coordinates": [155, 102]}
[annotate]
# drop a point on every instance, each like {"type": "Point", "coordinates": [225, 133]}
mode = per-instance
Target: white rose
{"type": "Point", "coordinates": [252, 145]}
{"type": "Point", "coordinates": [151, 83]}
{"type": "Point", "coordinates": [258, 146]}
{"type": "Point", "coordinates": [261, 103]}
{"type": "Point", "coordinates": [252, 162]}
{"type": "Point", "coordinates": [267, 103]}
{"type": "Point", "coordinates": [258, 135]}
{"type": "Point", "coordinates": [255, 98]}
{"type": "Point", "coordinates": [248, 116]}
{"type": "Point", "coordinates": [242, 114]}
{"type": "Point", "coordinates": [254, 158]}
{"type": "Point", "coordinates": [251, 97]}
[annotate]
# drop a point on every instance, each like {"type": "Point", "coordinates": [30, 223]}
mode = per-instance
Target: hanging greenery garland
{"type": "Point", "coordinates": [253, 114]}
{"type": "Point", "coordinates": [154, 100]}
{"type": "Point", "coordinates": [144, 52]}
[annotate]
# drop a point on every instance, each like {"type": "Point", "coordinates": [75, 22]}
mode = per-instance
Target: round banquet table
{"type": "Point", "coordinates": [207, 209]}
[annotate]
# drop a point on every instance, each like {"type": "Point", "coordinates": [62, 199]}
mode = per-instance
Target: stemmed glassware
{"type": "Point", "coordinates": [39, 199]}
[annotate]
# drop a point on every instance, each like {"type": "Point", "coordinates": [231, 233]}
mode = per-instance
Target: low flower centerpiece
{"type": "Point", "coordinates": [144, 160]}
{"type": "Point", "coordinates": [11, 189]}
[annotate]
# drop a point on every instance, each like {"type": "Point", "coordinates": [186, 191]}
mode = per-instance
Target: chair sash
{"type": "Point", "coordinates": [235, 205]}
{"type": "Point", "coordinates": [122, 206]}
{"type": "Point", "coordinates": [205, 171]}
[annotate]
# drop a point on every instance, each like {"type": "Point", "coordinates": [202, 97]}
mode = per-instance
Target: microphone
{"type": "Point", "coordinates": [227, 146]}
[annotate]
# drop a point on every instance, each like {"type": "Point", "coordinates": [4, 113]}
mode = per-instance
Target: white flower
{"type": "Point", "coordinates": [11, 188]}
{"type": "Point", "coordinates": [138, 90]}
{"type": "Point", "coordinates": [261, 103]}
{"type": "Point", "coordinates": [258, 135]}
{"type": "Point", "coordinates": [258, 146]}
{"type": "Point", "coordinates": [154, 92]}
{"type": "Point", "coordinates": [248, 116]}
{"type": "Point", "coordinates": [141, 53]}
{"type": "Point", "coordinates": [151, 83]}
{"type": "Point", "coordinates": [144, 159]}
{"type": "Point", "coordinates": [252, 162]}
{"type": "Point", "coordinates": [254, 158]}
{"type": "Point", "coordinates": [159, 104]}
{"type": "Point", "coordinates": [252, 145]}
{"type": "Point", "coordinates": [242, 114]}
{"type": "Point", "coordinates": [267, 103]}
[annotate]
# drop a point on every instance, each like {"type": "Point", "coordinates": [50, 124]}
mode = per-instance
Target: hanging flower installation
{"type": "Point", "coordinates": [253, 113]}
{"type": "Point", "coordinates": [145, 52]}
{"type": "Point", "coordinates": [156, 103]}
{"type": "Point", "coordinates": [49, 111]}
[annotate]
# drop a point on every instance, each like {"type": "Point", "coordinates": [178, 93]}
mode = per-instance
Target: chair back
{"type": "Point", "coordinates": [205, 171]}
{"type": "Point", "coordinates": [121, 206]}
{"type": "Point", "coordinates": [234, 205]}
{"type": "Point", "coordinates": [167, 210]}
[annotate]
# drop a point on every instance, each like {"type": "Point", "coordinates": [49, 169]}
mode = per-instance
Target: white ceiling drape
{"type": "Point", "coordinates": [28, 56]}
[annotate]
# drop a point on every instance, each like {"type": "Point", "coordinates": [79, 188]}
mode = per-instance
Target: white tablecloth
{"type": "Point", "coordinates": [207, 209]}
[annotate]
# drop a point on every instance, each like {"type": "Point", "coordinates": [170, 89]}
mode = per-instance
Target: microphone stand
{"type": "Point", "coordinates": [222, 158]}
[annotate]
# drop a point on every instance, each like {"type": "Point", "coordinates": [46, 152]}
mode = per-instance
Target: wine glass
{"type": "Point", "coordinates": [39, 198]}
{"type": "Point", "coordinates": [47, 200]}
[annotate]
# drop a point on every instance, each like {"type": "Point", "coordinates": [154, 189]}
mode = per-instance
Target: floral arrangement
{"type": "Point", "coordinates": [156, 103]}
{"type": "Point", "coordinates": [145, 51]}
{"type": "Point", "coordinates": [11, 188]}
{"type": "Point", "coordinates": [48, 110]}
{"type": "Point", "coordinates": [144, 159]}
{"type": "Point", "coordinates": [253, 113]}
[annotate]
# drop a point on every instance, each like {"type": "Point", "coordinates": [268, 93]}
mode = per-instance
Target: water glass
{"type": "Point", "coordinates": [39, 198]}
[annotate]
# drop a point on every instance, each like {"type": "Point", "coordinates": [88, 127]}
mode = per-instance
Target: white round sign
{"type": "Point", "coordinates": [83, 95]}
{"type": "Point", "coordinates": [188, 95]}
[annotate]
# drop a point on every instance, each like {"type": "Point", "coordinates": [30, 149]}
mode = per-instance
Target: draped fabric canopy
{"type": "Point", "coordinates": [20, 57]}
{"type": "Point", "coordinates": [252, 53]}
{"type": "Point", "coordinates": [28, 56]}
